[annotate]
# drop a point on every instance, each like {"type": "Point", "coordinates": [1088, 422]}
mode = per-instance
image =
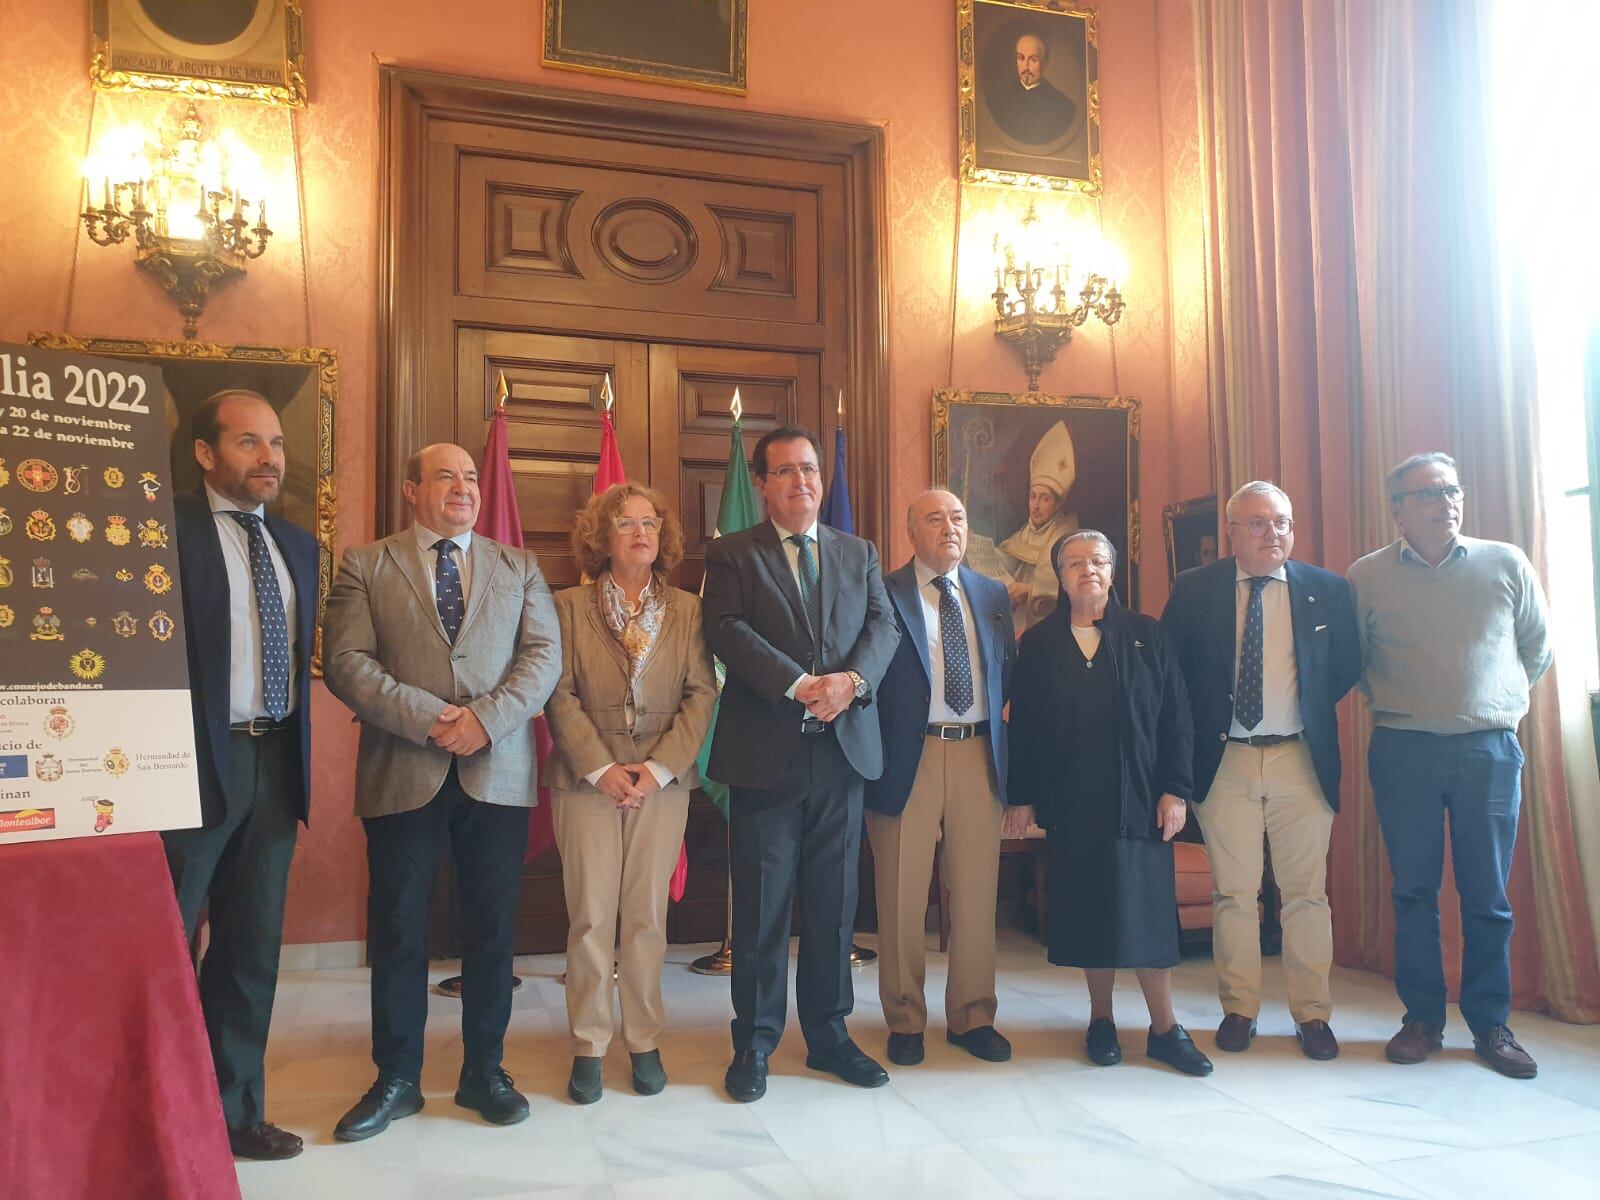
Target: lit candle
{"type": "Point", "coordinates": [105, 196]}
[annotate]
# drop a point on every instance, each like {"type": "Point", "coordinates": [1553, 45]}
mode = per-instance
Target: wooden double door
{"type": "Point", "coordinates": [555, 237]}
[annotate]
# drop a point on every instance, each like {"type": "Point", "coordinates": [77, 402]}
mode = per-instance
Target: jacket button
{"type": "Point", "coordinates": [1222, 737]}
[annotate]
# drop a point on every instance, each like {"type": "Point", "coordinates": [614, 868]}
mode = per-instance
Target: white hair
{"type": "Point", "coordinates": [1258, 487]}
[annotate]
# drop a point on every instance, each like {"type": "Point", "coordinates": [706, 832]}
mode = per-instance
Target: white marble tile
{"type": "Point", "coordinates": [1376, 1129]}
{"type": "Point", "coordinates": [1478, 1174]}
{"type": "Point", "coordinates": [1580, 1154]}
{"type": "Point", "coordinates": [938, 1173]}
{"type": "Point", "coordinates": [834, 1119]}
{"type": "Point", "coordinates": [995, 1108]}
{"type": "Point", "coordinates": [1221, 1146]}
{"type": "Point", "coordinates": [1088, 1163]}
{"type": "Point", "coordinates": [770, 1181]}
{"type": "Point", "coordinates": [1337, 1183]}
{"type": "Point", "coordinates": [655, 1143]}
{"type": "Point", "coordinates": [1504, 1112]}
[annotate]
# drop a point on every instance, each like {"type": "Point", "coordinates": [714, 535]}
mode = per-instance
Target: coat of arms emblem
{"type": "Point", "coordinates": [8, 616]}
{"type": "Point", "coordinates": [47, 768]}
{"type": "Point", "coordinates": [114, 477]}
{"type": "Point", "coordinates": [162, 626]}
{"type": "Point", "coordinates": [58, 722]}
{"type": "Point", "coordinates": [149, 484]}
{"type": "Point", "coordinates": [125, 623]}
{"type": "Point", "coordinates": [79, 527]}
{"type": "Point", "coordinates": [117, 531]}
{"type": "Point", "coordinates": [157, 581]}
{"type": "Point", "coordinates": [41, 528]}
{"type": "Point", "coordinates": [44, 575]}
{"type": "Point", "coordinates": [46, 626]}
{"type": "Point", "coordinates": [7, 578]}
{"type": "Point", "coordinates": [153, 535]}
{"type": "Point", "coordinates": [115, 762]}
{"type": "Point", "coordinates": [37, 475]}
{"type": "Point", "coordinates": [72, 486]}
{"type": "Point", "coordinates": [5, 521]}
{"type": "Point", "coordinates": [87, 665]}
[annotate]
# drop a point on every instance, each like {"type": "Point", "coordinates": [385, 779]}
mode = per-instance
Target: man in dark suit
{"type": "Point", "coordinates": [944, 771]}
{"type": "Point", "coordinates": [1268, 648]}
{"type": "Point", "coordinates": [249, 607]}
{"type": "Point", "coordinates": [1033, 110]}
{"type": "Point", "coordinates": [798, 613]}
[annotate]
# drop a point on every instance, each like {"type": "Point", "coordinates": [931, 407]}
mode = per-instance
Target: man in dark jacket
{"type": "Point", "coordinates": [944, 749]}
{"type": "Point", "coordinates": [1268, 648]}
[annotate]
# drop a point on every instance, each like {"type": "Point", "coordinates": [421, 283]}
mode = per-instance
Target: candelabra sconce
{"type": "Point", "coordinates": [1035, 317]}
{"type": "Point", "coordinates": [185, 202]}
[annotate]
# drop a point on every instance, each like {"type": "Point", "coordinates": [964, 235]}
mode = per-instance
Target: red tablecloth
{"type": "Point", "coordinates": [106, 1083]}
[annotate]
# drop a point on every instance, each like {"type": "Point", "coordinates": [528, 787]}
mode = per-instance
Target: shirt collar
{"type": "Point", "coordinates": [926, 574]}
{"type": "Point", "coordinates": [1240, 574]}
{"type": "Point", "coordinates": [427, 537]}
{"type": "Point", "coordinates": [220, 503]}
{"type": "Point", "coordinates": [785, 534]}
{"type": "Point", "coordinates": [1409, 552]}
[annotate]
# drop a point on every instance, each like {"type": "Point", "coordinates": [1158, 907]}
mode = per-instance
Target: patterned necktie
{"type": "Point", "coordinates": [1248, 707]}
{"type": "Point", "coordinates": [953, 637]}
{"type": "Point", "coordinates": [810, 587]}
{"type": "Point", "coordinates": [447, 588]}
{"type": "Point", "coordinates": [274, 626]}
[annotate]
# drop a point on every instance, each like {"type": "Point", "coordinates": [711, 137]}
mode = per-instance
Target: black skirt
{"type": "Point", "coordinates": [1113, 898]}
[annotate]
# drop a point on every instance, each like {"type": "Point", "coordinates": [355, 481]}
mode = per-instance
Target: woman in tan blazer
{"type": "Point", "coordinates": [628, 717]}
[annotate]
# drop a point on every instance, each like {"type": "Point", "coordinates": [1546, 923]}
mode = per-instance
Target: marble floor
{"type": "Point", "coordinates": [1266, 1124]}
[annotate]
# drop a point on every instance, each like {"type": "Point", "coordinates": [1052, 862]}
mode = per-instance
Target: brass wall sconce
{"type": "Point", "coordinates": [1035, 318]}
{"type": "Point", "coordinates": [184, 201]}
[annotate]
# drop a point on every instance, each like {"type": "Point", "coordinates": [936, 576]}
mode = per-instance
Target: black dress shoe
{"type": "Point", "coordinates": [649, 1076]}
{"type": "Point", "coordinates": [584, 1085]}
{"type": "Point", "coordinates": [905, 1049]}
{"type": "Point", "coordinates": [389, 1099]}
{"type": "Point", "coordinates": [1101, 1043]}
{"type": "Point", "coordinates": [746, 1079]}
{"type": "Point", "coordinates": [847, 1062]}
{"type": "Point", "coordinates": [263, 1142]}
{"type": "Point", "coordinates": [1317, 1040]}
{"type": "Point", "coordinates": [1235, 1033]}
{"type": "Point", "coordinates": [1501, 1050]}
{"type": "Point", "coordinates": [491, 1095]}
{"type": "Point", "coordinates": [1177, 1049]}
{"type": "Point", "coordinates": [983, 1042]}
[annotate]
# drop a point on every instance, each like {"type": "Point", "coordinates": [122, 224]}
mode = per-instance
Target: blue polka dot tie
{"type": "Point", "coordinates": [274, 626]}
{"type": "Point", "coordinates": [447, 588]}
{"type": "Point", "coordinates": [810, 586]}
{"type": "Point", "coordinates": [953, 637]}
{"type": "Point", "coordinates": [1247, 708]}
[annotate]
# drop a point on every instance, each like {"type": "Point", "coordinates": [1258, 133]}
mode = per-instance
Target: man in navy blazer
{"type": "Point", "coordinates": [250, 609]}
{"type": "Point", "coordinates": [941, 705]}
{"type": "Point", "coordinates": [1268, 648]}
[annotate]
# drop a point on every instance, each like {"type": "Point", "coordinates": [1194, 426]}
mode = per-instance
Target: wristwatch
{"type": "Point", "coordinates": [860, 682]}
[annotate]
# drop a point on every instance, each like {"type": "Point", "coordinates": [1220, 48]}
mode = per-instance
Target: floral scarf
{"type": "Point", "coordinates": [635, 626]}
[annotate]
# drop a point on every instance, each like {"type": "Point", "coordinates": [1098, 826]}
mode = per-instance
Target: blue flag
{"type": "Point", "coordinates": [836, 504]}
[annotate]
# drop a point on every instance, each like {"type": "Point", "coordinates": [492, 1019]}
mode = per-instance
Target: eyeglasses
{"type": "Point", "coordinates": [1099, 562]}
{"type": "Point", "coordinates": [789, 474]}
{"type": "Point", "coordinates": [648, 525]}
{"type": "Point", "coordinates": [1432, 495]}
{"type": "Point", "coordinates": [1258, 526]}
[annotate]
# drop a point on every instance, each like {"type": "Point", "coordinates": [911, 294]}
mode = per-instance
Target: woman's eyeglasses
{"type": "Point", "coordinates": [650, 526]}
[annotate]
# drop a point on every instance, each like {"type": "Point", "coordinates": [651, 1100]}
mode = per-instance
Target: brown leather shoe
{"type": "Point", "coordinates": [264, 1142]}
{"type": "Point", "coordinates": [1317, 1040]}
{"type": "Point", "coordinates": [1235, 1032]}
{"type": "Point", "coordinates": [1415, 1041]}
{"type": "Point", "coordinates": [1500, 1050]}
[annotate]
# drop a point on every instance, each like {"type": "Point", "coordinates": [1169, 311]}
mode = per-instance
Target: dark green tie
{"type": "Point", "coordinates": [810, 588]}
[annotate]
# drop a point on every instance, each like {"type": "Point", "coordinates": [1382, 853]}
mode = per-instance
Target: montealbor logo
{"type": "Point", "coordinates": [21, 820]}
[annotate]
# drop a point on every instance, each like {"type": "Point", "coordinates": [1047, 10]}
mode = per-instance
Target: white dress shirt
{"type": "Point", "coordinates": [425, 540]}
{"type": "Point", "coordinates": [928, 592]}
{"type": "Point", "coordinates": [246, 695]}
{"type": "Point", "coordinates": [1280, 677]}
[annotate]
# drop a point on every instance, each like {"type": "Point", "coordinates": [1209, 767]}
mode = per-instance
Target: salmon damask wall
{"type": "Point", "coordinates": [889, 62]}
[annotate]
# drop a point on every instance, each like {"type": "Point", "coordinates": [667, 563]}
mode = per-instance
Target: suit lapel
{"type": "Point", "coordinates": [485, 554]}
{"type": "Point", "coordinates": [602, 631]}
{"type": "Point", "coordinates": [306, 597]}
{"type": "Point", "coordinates": [902, 588]}
{"type": "Point", "coordinates": [982, 627]}
{"type": "Point", "coordinates": [418, 571]}
{"type": "Point", "coordinates": [1302, 614]}
{"type": "Point", "coordinates": [776, 562]}
{"type": "Point", "coordinates": [830, 558]}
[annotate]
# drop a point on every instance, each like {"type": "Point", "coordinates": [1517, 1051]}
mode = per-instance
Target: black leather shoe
{"type": "Point", "coordinates": [847, 1062]}
{"type": "Point", "coordinates": [649, 1076]}
{"type": "Point", "coordinates": [1235, 1033]}
{"type": "Point", "coordinates": [746, 1079]}
{"type": "Point", "coordinates": [905, 1049]}
{"type": "Point", "coordinates": [983, 1042]}
{"type": "Point", "coordinates": [1502, 1052]}
{"type": "Point", "coordinates": [584, 1084]}
{"type": "Point", "coordinates": [1317, 1040]}
{"type": "Point", "coordinates": [491, 1095]}
{"type": "Point", "coordinates": [1177, 1049]}
{"type": "Point", "coordinates": [263, 1142]}
{"type": "Point", "coordinates": [1101, 1043]}
{"type": "Point", "coordinates": [389, 1099]}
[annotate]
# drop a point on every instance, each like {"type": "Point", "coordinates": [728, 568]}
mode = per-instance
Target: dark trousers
{"type": "Point", "coordinates": [487, 842]}
{"type": "Point", "coordinates": [803, 832]}
{"type": "Point", "coordinates": [1477, 779]}
{"type": "Point", "coordinates": [241, 869]}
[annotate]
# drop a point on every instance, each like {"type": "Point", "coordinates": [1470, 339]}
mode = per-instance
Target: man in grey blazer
{"type": "Point", "coordinates": [445, 644]}
{"type": "Point", "coordinates": [798, 613]}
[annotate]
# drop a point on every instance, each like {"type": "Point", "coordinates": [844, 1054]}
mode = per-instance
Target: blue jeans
{"type": "Point", "coordinates": [1477, 778]}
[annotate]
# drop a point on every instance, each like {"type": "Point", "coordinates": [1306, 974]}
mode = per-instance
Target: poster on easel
{"type": "Point", "coordinates": [96, 730]}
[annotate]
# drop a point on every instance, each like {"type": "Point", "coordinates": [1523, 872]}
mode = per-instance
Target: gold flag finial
{"type": "Point", "coordinates": [607, 396]}
{"type": "Point", "coordinates": [501, 393]}
{"type": "Point", "coordinates": [736, 408]}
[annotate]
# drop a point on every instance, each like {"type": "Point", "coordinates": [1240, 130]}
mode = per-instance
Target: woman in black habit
{"type": "Point", "coordinates": [1101, 742]}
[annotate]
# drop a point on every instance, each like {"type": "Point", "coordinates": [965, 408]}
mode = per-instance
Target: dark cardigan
{"type": "Point", "coordinates": [1154, 726]}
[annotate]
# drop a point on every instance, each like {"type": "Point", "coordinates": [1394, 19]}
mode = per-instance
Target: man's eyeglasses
{"type": "Point", "coordinates": [789, 474]}
{"type": "Point", "coordinates": [1258, 526]}
{"type": "Point", "coordinates": [651, 526]}
{"type": "Point", "coordinates": [1432, 495]}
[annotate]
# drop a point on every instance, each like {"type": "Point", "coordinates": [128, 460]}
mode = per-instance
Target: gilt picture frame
{"type": "Point", "coordinates": [688, 43]}
{"type": "Point", "coordinates": [301, 383]}
{"type": "Point", "coordinates": [1191, 534]}
{"type": "Point", "coordinates": [218, 50]}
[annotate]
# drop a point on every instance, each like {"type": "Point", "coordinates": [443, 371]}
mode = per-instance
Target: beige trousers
{"type": "Point", "coordinates": [1272, 793]}
{"type": "Point", "coordinates": [617, 862]}
{"type": "Point", "coordinates": [955, 792]}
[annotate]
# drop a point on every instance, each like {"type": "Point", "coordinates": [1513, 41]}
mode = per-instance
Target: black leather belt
{"type": "Point", "coordinates": [1267, 739]}
{"type": "Point", "coordinates": [957, 733]}
{"type": "Point", "coordinates": [260, 726]}
{"type": "Point", "coordinates": [812, 725]}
